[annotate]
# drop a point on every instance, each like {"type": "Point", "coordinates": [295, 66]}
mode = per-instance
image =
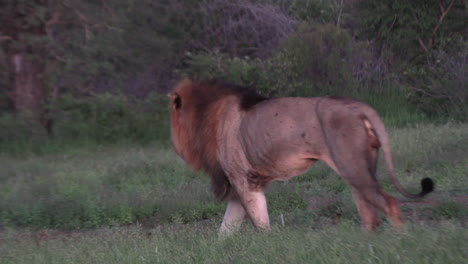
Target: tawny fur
{"type": "Point", "coordinates": [244, 141]}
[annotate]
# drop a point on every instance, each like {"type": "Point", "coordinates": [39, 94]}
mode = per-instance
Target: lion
{"type": "Point", "coordinates": [244, 141]}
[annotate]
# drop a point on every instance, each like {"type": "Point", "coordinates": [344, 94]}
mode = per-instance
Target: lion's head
{"type": "Point", "coordinates": [196, 113]}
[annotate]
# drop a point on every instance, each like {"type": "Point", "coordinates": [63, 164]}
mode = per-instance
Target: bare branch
{"type": "Point", "coordinates": [421, 42]}
{"type": "Point", "coordinates": [444, 13]}
{"type": "Point", "coordinates": [338, 20]}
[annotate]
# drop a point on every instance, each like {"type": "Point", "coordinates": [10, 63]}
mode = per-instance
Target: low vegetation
{"type": "Point", "coordinates": [193, 243]}
{"type": "Point", "coordinates": [86, 187]}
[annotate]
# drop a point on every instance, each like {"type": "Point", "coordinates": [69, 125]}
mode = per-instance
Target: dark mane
{"type": "Point", "coordinates": [204, 102]}
{"type": "Point", "coordinates": [217, 89]}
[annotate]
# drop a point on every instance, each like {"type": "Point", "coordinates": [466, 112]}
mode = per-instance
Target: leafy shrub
{"type": "Point", "coordinates": [313, 10]}
{"type": "Point", "coordinates": [326, 55]}
{"type": "Point", "coordinates": [412, 27]}
{"type": "Point", "coordinates": [13, 129]}
{"type": "Point", "coordinates": [216, 65]}
{"type": "Point", "coordinates": [316, 60]}
{"type": "Point", "coordinates": [272, 77]}
{"type": "Point", "coordinates": [102, 118]}
{"type": "Point", "coordinates": [439, 87]}
{"type": "Point", "coordinates": [109, 118]}
{"type": "Point", "coordinates": [242, 27]}
{"type": "Point", "coordinates": [427, 41]}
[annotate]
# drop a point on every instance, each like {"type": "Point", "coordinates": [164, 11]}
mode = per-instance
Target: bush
{"type": "Point", "coordinates": [110, 118]}
{"type": "Point", "coordinates": [273, 77]}
{"type": "Point", "coordinates": [314, 10]}
{"type": "Point", "coordinates": [314, 60]}
{"type": "Point", "coordinates": [427, 41]}
{"type": "Point", "coordinates": [98, 119]}
{"type": "Point", "coordinates": [241, 27]}
{"type": "Point", "coordinates": [439, 87]}
{"type": "Point", "coordinates": [14, 130]}
{"type": "Point", "coordinates": [327, 56]}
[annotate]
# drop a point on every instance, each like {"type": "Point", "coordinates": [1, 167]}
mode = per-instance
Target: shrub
{"type": "Point", "coordinates": [242, 28]}
{"type": "Point", "coordinates": [317, 59]}
{"type": "Point", "coordinates": [13, 129]}
{"type": "Point", "coordinates": [427, 41]}
{"type": "Point", "coordinates": [110, 118]}
{"type": "Point", "coordinates": [98, 119]}
{"type": "Point", "coordinates": [326, 55]}
{"type": "Point", "coordinates": [439, 87]}
{"type": "Point", "coordinates": [314, 10]}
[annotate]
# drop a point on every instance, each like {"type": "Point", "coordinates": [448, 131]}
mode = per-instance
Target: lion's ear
{"type": "Point", "coordinates": [176, 101]}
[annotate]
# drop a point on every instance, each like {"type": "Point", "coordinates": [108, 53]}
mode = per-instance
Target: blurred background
{"type": "Point", "coordinates": [96, 71]}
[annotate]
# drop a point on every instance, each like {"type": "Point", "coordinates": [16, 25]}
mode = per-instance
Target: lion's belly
{"type": "Point", "coordinates": [286, 167]}
{"type": "Point", "coordinates": [292, 169]}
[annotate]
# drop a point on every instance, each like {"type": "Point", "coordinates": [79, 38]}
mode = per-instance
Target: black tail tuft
{"type": "Point", "coordinates": [427, 185]}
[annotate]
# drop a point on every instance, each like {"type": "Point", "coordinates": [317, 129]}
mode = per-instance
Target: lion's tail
{"type": "Point", "coordinates": [427, 184]}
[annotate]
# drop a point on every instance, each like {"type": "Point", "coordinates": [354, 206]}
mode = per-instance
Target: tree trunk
{"type": "Point", "coordinates": [28, 90]}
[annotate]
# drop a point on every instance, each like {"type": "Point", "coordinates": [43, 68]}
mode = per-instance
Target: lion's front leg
{"type": "Point", "coordinates": [255, 205]}
{"type": "Point", "coordinates": [235, 214]}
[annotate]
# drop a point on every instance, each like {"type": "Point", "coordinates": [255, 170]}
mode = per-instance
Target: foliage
{"type": "Point", "coordinates": [427, 39]}
{"type": "Point", "coordinates": [108, 118]}
{"type": "Point", "coordinates": [283, 48]}
{"type": "Point", "coordinates": [413, 26]}
{"type": "Point", "coordinates": [315, 60]}
{"type": "Point", "coordinates": [322, 54]}
{"type": "Point", "coordinates": [314, 10]}
{"type": "Point", "coordinates": [13, 129]}
{"type": "Point", "coordinates": [273, 77]}
{"type": "Point", "coordinates": [439, 88]}
{"type": "Point", "coordinates": [99, 119]}
{"type": "Point", "coordinates": [241, 28]}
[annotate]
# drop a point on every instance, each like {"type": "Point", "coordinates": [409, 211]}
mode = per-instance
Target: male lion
{"type": "Point", "coordinates": [244, 141]}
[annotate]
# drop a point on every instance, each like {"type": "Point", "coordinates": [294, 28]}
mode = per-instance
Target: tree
{"type": "Point", "coordinates": [23, 33]}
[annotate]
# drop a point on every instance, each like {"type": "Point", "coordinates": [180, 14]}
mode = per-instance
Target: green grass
{"type": "Point", "coordinates": [121, 184]}
{"type": "Point", "coordinates": [88, 188]}
{"type": "Point", "coordinates": [106, 190]}
{"type": "Point", "coordinates": [342, 243]}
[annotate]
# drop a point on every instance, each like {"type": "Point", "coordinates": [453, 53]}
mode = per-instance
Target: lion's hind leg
{"type": "Point", "coordinates": [368, 212]}
{"type": "Point", "coordinates": [392, 210]}
{"type": "Point", "coordinates": [370, 197]}
{"type": "Point", "coordinates": [353, 157]}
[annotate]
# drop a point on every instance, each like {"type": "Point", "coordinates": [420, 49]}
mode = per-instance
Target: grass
{"type": "Point", "coordinates": [143, 205]}
{"type": "Point", "coordinates": [87, 188]}
{"type": "Point", "coordinates": [342, 243]}
{"type": "Point", "coordinates": [115, 185]}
